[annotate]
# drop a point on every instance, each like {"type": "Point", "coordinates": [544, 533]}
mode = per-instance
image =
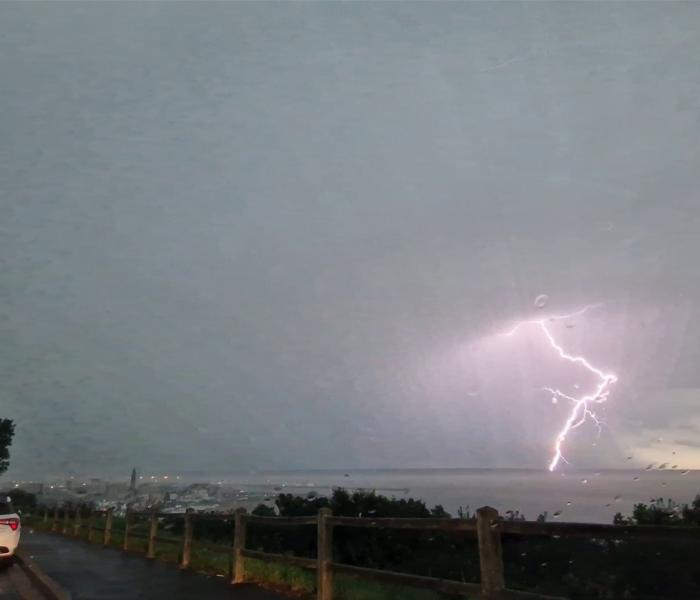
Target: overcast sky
{"type": "Point", "coordinates": [287, 235]}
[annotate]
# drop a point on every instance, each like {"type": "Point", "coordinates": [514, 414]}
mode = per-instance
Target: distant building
{"type": "Point", "coordinates": [132, 485]}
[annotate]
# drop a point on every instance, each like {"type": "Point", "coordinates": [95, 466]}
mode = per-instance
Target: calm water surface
{"type": "Point", "coordinates": [584, 496]}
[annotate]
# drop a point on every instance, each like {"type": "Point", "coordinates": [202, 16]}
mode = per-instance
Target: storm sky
{"type": "Point", "coordinates": [260, 235]}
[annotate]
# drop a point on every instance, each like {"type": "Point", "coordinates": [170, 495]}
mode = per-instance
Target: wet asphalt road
{"type": "Point", "coordinates": [91, 572]}
{"type": "Point", "coordinates": [15, 585]}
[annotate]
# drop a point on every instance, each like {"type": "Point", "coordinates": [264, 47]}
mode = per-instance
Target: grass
{"type": "Point", "coordinates": [295, 579]}
{"type": "Point", "coordinates": [208, 561]}
{"type": "Point", "coordinates": [300, 582]}
{"type": "Point", "coordinates": [351, 588]}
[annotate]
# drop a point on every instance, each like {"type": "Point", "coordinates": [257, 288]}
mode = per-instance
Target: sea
{"type": "Point", "coordinates": [571, 496]}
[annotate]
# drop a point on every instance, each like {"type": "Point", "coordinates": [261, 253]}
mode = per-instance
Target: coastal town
{"type": "Point", "coordinates": [171, 494]}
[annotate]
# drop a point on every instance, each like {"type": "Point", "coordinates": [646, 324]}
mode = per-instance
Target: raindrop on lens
{"type": "Point", "coordinates": [541, 300]}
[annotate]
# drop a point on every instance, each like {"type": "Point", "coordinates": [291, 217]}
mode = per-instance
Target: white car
{"type": "Point", "coordinates": [10, 528]}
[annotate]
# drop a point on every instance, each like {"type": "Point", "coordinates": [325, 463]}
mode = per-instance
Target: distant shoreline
{"type": "Point", "coordinates": [214, 475]}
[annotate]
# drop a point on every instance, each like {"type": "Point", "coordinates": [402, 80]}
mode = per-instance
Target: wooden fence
{"type": "Point", "coordinates": [488, 528]}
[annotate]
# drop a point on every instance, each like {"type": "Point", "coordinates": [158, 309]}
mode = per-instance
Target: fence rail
{"type": "Point", "coordinates": [444, 586]}
{"type": "Point", "coordinates": [294, 561]}
{"type": "Point", "coordinates": [391, 523]}
{"type": "Point", "coordinates": [596, 530]}
{"type": "Point", "coordinates": [488, 527]}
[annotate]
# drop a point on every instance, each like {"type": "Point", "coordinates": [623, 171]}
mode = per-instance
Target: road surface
{"type": "Point", "coordinates": [91, 572]}
{"type": "Point", "coordinates": [15, 585]}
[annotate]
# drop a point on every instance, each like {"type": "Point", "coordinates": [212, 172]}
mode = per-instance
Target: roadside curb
{"type": "Point", "coordinates": [47, 586]}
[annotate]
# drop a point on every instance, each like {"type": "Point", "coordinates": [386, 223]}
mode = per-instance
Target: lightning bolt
{"type": "Point", "coordinates": [580, 406]}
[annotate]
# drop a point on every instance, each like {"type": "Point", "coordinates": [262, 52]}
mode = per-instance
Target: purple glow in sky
{"type": "Point", "coordinates": [287, 235]}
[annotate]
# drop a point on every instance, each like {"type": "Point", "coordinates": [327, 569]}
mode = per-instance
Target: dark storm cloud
{"type": "Point", "coordinates": [691, 428]}
{"type": "Point", "coordinates": [251, 234]}
{"type": "Point", "coordinates": [689, 443]}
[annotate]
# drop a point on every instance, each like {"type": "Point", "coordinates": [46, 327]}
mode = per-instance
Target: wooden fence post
{"type": "Point", "coordinates": [187, 539]}
{"type": "Point", "coordinates": [54, 523]}
{"type": "Point", "coordinates": [76, 523]}
{"type": "Point", "coordinates": [108, 526]}
{"type": "Point", "coordinates": [127, 526]}
{"type": "Point", "coordinates": [91, 515]}
{"type": "Point", "coordinates": [66, 520]}
{"type": "Point", "coordinates": [324, 556]}
{"type": "Point", "coordinates": [152, 533]}
{"type": "Point", "coordinates": [490, 552]}
{"type": "Point", "coordinates": [239, 541]}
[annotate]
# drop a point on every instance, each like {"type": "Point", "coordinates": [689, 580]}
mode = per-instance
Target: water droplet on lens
{"type": "Point", "coordinates": [635, 478]}
{"type": "Point", "coordinates": [685, 472]}
{"type": "Point", "coordinates": [649, 467]}
{"type": "Point", "coordinates": [544, 564]}
{"type": "Point", "coordinates": [541, 300]}
{"type": "Point", "coordinates": [568, 503]}
{"type": "Point", "coordinates": [629, 458]}
{"type": "Point", "coordinates": [617, 498]}
{"type": "Point", "coordinates": [557, 514]}
{"type": "Point", "coordinates": [523, 554]}
{"type": "Point", "coordinates": [584, 481]}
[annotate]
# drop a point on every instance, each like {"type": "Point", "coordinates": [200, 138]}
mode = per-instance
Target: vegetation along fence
{"type": "Point", "coordinates": [488, 527]}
